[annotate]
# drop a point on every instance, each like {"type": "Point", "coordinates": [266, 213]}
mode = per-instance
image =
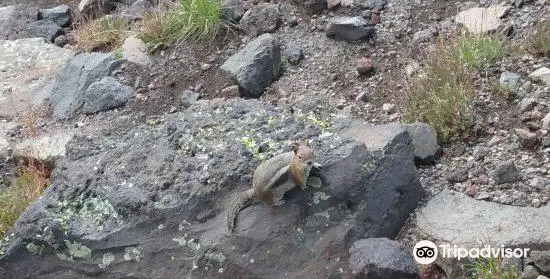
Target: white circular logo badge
{"type": "Point", "coordinates": [425, 252]}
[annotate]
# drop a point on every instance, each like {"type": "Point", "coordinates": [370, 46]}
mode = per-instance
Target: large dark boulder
{"type": "Point", "coordinates": [150, 201]}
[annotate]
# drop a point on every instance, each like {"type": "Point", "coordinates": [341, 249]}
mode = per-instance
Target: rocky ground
{"type": "Point", "coordinates": [311, 67]}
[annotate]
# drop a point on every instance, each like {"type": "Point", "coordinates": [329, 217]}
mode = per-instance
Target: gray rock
{"type": "Point", "coordinates": [528, 140]}
{"type": "Point", "coordinates": [527, 104]}
{"type": "Point", "coordinates": [44, 28]}
{"type": "Point", "coordinates": [382, 258]}
{"type": "Point", "coordinates": [106, 94]}
{"type": "Point", "coordinates": [546, 122]}
{"type": "Point", "coordinates": [312, 6]}
{"type": "Point", "coordinates": [542, 74]}
{"type": "Point", "coordinates": [256, 66]}
{"type": "Point", "coordinates": [439, 219]}
{"type": "Point", "coordinates": [138, 9]}
{"type": "Point", "coordinates": [530, 272]}
{"type": "Point", "coordinates": [422, 36]}
{"type": "Point", "coordinates": [232, 10]}
{"type": "Point", "coordinates": [79, 73]}
{"type": "Point", "coordinates": [61, 41]}
{"type": "Point", "coordinates": [135, 50]}
{"type": "Point", "coordinates": [5, 146]}
{"type": "Point", "coordinates": [506, 172]}
{"type": "Point", "coordinates": [96, 8]}
{"type": "Point", "coordinates": [260, 19]}
{"type": "Point", "coordinates": [294, 53]}
{"type": "Point", "coordinates": [458, 175]}
{"type": "Point", "coordinates": [480, 152]}
{"type": "Point", "coordinates": [510, 80]}
{"type": "Point", "coordinates": [424, 136]}
{"type": "Point", "coordinates": [61, 15]}
{"type": "Point", "coordinates": [188, 98]}
{"type": "Point", "coordinates": [478, 20]}
{"type": "Point", "coordinates": [47, 148]}
{"type": "Point", "coordinates": [371, 4]}
{"type": "Point", "coordinates": [13, 21]}
{"type": "Point", "coordinates": [125, 198]}
{"type": "Point", "coordinates": [26, 73]}
{"type": "Point", "coordinates": [349, 29]}
{"type": "Point", "coordinates": [541, 259]}
{"type": "Point", "coordinates": [17, 22]}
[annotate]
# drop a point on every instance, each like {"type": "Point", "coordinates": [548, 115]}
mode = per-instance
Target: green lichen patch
{"type": "Point", "coordinates": [181, 240]}
{"type": "Point", "coordinates": [312, 118]}
{"type": "Point", "coordinates": [253, 145]}
{"type": "Point", "coordinates": [91, 211]}
{"type": "Point", "coordinates": [319, 196]}
{"type": "Point", "coordinates": [132, 254]}
{"type": "Point", "coordinates": [35, 249]}
{"type": "Point", "coordinates": [78, 251]}
{"type": "Point", "coordinates": [209, 259]}
{"type": "Point", "coordinates": [108, 258]}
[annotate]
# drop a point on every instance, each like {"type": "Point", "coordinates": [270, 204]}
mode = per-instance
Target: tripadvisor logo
{"type": "Point", "coordinates": [426, 252]}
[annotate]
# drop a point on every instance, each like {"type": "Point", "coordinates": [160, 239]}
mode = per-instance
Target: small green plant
{"type": "Point", "coordinates": [190, 20]}
{"type": "Point", "coordinates": [118, 53]}
{"type": "Point", "coordinates": [481, 51]}
{"type": "Point", "coordinates": [489, 268]}
{"type": "Point", "coordinates": [103, 34]}
{"type": "Point", "coordinates": [540, 41]}
{"type": "Point", "coordinates": [31, 181]}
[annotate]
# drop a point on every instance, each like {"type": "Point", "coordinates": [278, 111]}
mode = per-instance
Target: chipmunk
{"type": "Point", "coordinates": [273, 178]}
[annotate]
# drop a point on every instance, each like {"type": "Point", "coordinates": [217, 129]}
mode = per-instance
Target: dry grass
{"type": "Point", "coordinates": [103, 34]}
{"type": "Point", "coordinates": [442, 97]}
{"type": "Point", "coordinates": [30, 122]}
{"type": "Point", "coordinates": [540, 41]}
{"type": "Point", "coordinates": [189, 20]}
{"type": "Point", "coordinates": [32, 179]}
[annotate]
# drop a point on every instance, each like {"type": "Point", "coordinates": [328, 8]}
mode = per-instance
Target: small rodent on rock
{"type": "Point", "coordinates": [273, 178]}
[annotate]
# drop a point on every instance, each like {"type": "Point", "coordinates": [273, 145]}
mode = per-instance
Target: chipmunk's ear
{"type": "Point", "coordinates": [307, 143]}
{"type": "Point", "coordinates": [294, 147]}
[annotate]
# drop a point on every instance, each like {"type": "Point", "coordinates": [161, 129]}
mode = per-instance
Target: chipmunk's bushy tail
{"type": "Point", "coordinates": [242, 200]}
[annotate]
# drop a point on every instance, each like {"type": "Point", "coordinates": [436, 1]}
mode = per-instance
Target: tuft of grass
{"type": "Point", "coordinates": [103, 34]}
{"type": "Point", "coordinates": [442, 97]}
{"type": "Point", "coordinates": [31, 181]}
{"type": "Point", "coordinates": [489, 268]}
{"type": "Point", "coordinates": [540, 41]}
{"type": "Point", "coordinates": [193, 20]}
{"type": "Point", "coordinates": [481, 51]}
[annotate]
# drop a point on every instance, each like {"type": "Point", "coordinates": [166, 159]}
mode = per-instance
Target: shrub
{"type": "Point", "coordinates": [31, 181]}
{"type": "Point", "coordinates": [103, 34]}
{"type": "Point", "coordinates": [540, 41]}
{"type": "Point", "coordinates": [190, 20]}
{"type": "Point", "coordinates": [489, 268]}
{"type": "Point", "coordinates": [442, 97]}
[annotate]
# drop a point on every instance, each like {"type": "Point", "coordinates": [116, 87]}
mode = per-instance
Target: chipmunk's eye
{"type": "Point", "coordinates": [299, 156]}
